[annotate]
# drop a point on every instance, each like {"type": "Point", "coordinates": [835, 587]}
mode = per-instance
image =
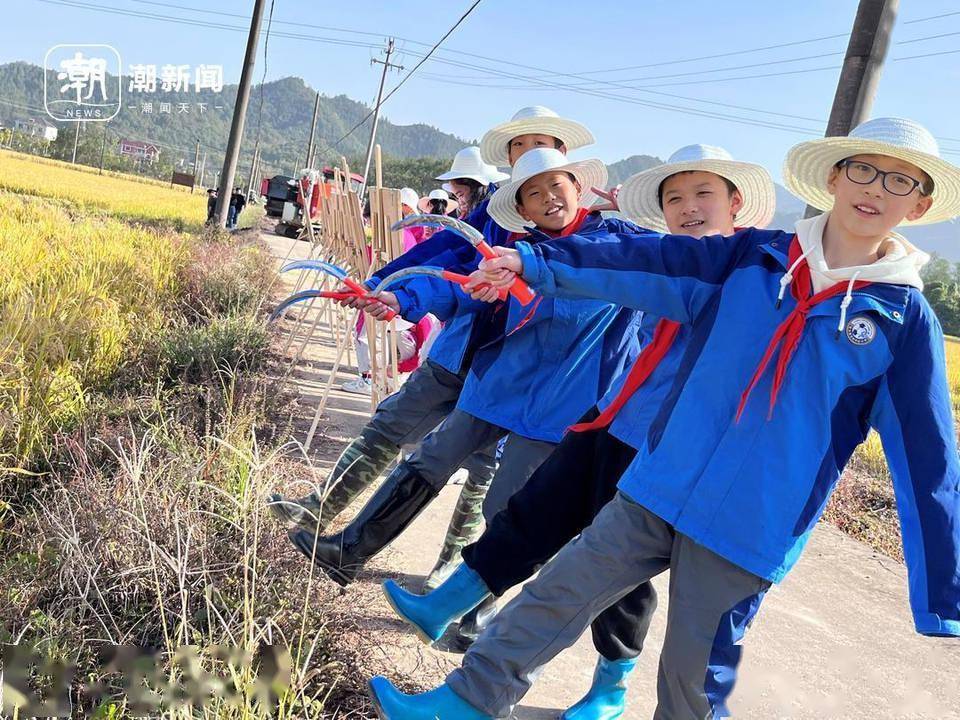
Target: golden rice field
{"type": "Point", "coordinates": [76, 290]}
{"type": "Point", "coordinates": [120, 196]}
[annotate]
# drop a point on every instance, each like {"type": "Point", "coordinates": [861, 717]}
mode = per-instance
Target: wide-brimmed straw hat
{"type": "Point", "coordinates": [535, 120]}
{"type": "Point", "coordinates": [639, 198]}
{"type": "Point", "coordinates": [409, 197]}
{"type": "Point", "coordinates": [424, 203]}
{"type": "Point", "coordinates": [807, 165]}
{"type": "Point", "coordinates": [469, 164]}
{"type": "Point", "coordinates": [503, 204]}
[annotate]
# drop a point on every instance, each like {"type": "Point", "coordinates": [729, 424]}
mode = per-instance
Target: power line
{"type": "Point", "coordinates": [547, 84]}
{"type": "Point", "coordinates": [412, 71]}
{"type": "Point", "coordinates": [932, 17]}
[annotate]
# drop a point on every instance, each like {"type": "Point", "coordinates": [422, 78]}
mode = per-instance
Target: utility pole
{"type": "Point", "coordinates": [253, 170]}
{"type": "Point", "coordinates": [313, 130]}
{"type": "Point", "coordinates": [228, 173]}
{"type": "Point", "coordinates": [862, 68]}
{"type": "Point", "coordinates": [196, 165]}
{"type": "Point", "coordinates": [103, 147]}
{"type": "Point", "coordinates": [376, 113]}
{"type": "Point", "coordinates": [76, 141]}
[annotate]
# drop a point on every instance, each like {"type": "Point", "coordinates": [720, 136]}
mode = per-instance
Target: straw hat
{"type": "Point", "coordinates": [639, 196]}
{"type": "Point", "coordinates": [808, 164]}
{"type": "Point", "coordinates": [537, 120]}
{"type": "Point", "coordinates": [468, 163]}
{"type": "Point", "coordinates": [424, 202]}
{"type": "Point", "coordinates": [503, 203]}
{"type": "Point", "coordinates": [409, 197]}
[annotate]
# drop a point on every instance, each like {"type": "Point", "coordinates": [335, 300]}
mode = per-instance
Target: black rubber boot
{"type": "Point", "coordinates": [391, 509]}
{"type": "Point", "coordinates": [471, 626]}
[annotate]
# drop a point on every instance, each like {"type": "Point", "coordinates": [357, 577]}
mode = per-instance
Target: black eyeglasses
{"type": "Point", "coordinates": [895, 183]}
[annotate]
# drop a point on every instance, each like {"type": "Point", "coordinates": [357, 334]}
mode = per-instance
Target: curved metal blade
{"type": "Point", "coordinates": [407, 272]}
{"type": "Point", "coordinates": [464, 230]}
{"type": "Point", "coordinates": [292, 300]}
{"type": "Point", "coordinates": [326, 267]}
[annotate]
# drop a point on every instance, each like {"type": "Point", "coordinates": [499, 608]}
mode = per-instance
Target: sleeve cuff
{"type": "Point", "coordinates": [534, 269]}
{"type": "Point", "coordinates": [935, 626]}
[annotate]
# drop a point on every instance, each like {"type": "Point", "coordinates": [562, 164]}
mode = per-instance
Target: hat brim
{"type": "Point", "coordinates": [494, 145]}
{"type": "Point", "coordinates": [639, 196]}
{"type": "Point", "coordinates": [484, 179]}
{"type": "Point", "coordinates": [807, 167]}
{"type": "Point", "coordinates": [503, 205]}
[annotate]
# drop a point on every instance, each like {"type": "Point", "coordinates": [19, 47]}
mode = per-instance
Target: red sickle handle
{"type": "Point", "coordinates": [361, 291]}
{"type": "Point", "coordinates": [520, 290]}
{"type": "Point", "coordinates": [464, 279]}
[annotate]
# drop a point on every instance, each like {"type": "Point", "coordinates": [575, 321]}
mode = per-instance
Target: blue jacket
{"type": "Point", "coordinates": [630, 423]}
{"type": "Point", "coordinates": [448, 250]}
{"type": "Point", "coordinates": [538, 379]}
{"type": "Point", "coordinates": [752, 491]}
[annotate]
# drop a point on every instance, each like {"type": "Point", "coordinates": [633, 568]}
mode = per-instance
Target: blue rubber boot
{"type": "Point", "coordinates": [430, 614]}
{"type": "Point", "coordinates": [439, 704]}
{"type": "Point", "coordinates": [606, 698]}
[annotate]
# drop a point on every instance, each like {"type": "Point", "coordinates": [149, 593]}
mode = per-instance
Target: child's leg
{"type": "Point", "coordinates": [712, 601]}
{"type": "Point", "coordinates": [363, 354]}
{"type": "Point", "coordinates": [466, 523]}
{"type": "Point", "coordinates": [558, 501]}
{"type": "Point", "coordinates": [520, 459]}
{"type": "Point", "coordinates": [624, 546]}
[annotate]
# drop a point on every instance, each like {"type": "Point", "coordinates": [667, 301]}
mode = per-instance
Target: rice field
{"type": "Point", "coordinates": [119, 196]}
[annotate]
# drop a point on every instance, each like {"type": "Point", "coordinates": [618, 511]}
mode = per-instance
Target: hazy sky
{"type": "Point", "coordinates": [573, 57]}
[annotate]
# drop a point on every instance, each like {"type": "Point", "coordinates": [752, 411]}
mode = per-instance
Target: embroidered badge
{"type": "Point", "coordinates": [861, 330]}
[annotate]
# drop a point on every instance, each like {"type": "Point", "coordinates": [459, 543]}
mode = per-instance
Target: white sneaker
{"type": "Point", "coordinates": [360, 386]}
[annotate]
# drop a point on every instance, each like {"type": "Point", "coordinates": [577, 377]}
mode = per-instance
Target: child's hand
{"type": "Point", "coordinates": [502, 271]}
{"type": "Point", "coordinates": [610, 196]}
{"type": "Point", "coordinates": [378, 310]}
{"type": "Point", "coordinates": [351, 302]}
{"type": "Point", "coordinates": [480, 289]}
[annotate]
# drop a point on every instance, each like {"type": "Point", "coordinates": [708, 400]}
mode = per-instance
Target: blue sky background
{"type": "Point", "coordinates": [534, 47]}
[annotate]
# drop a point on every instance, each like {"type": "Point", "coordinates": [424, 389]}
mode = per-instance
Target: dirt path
{"type": "Point", "coordinates": [834, 641]}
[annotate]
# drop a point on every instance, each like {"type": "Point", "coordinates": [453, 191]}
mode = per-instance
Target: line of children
{"type": "Point", "coordinates": [535, 355]}
{"type": "Point", "coordinates": [431, 392]}
{"type": "Point", "coordinates": [799, 344]}
{"type": "Point", "coordinates": [699, 191]}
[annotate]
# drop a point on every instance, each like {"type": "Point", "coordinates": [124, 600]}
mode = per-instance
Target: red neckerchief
{"type": "Point", "coordinates": [568, 229]}
{"type": "Point", "coordinates": [663, 336]}
{"type": "Point", "coordinates": [790, 330]}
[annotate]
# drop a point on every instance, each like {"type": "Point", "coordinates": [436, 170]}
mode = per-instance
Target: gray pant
{"type": "Point", "coordinates": [422, 402]}
{"type": "Point", "coordinates": [712, 601]}
{"type": "Point", "coordinates": [460, 434]}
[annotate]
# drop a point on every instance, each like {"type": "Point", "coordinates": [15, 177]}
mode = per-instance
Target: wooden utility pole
{"type": "Point", "coordinates": [226, 176]}
{"type": "Point", "coordinates": [862, 68]}
{"type": "Point", "coordinates": [76, 141]}
{"type": "Point", "coordinates": [196, 166]}
{"type": "Point", "coordinates": [313, 131]}
{"type": "Point", "coordinates": [103, 147]}
{"type": "Point", "coordinates": [376, 115]}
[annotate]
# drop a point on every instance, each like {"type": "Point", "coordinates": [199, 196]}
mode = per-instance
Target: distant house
{"type": "Point", "coordinates": [139, 149]}
{"type": "Point", "coordinates": [35, 128]}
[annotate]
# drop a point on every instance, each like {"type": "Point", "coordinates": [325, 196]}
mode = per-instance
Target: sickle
{"type": "Point", "coordinates": [432, 271]}
{"type": "Point", "coordinates": [520, 290]}
{"type": "Point", "coordinates": [338, 272]}
{"type": "Point", "coordinates": [332, 295]}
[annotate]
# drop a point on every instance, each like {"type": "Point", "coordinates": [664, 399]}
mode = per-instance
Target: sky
{"type": "Point", "coordinates": [582, 60]}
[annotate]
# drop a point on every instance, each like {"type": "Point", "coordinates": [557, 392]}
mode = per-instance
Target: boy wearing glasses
{"type": "Point", "coordinates": [819, 338]}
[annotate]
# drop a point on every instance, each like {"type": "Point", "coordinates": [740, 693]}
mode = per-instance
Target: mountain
{"type": "Point", "coordinates": [622, 169]}
{"type": "Point", "coordinates": [287, 107]}
{"type": "Point", "coordinates": [940, 238]}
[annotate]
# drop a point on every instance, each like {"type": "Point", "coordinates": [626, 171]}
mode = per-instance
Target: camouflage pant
{"type": "Point", "coordinates": [404, 418]}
